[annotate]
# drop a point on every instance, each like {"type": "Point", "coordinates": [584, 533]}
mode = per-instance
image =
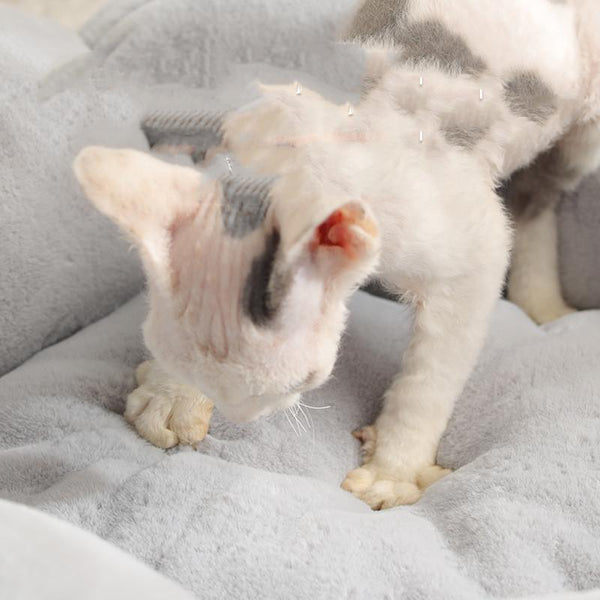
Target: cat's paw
{"type": "Point", "coordinates": [164, 412]}
{"type": "Point", "coordinates": [380, 490]}
{"type": "Point", "coordinates": [385, 488]}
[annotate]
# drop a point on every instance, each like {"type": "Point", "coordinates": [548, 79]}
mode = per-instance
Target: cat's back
{"type": "Point", "coordinates": [473, 37]}
{"type": "Point", "coordinates": [501, 78]}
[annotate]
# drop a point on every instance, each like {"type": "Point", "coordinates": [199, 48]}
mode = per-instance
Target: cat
{"type": "Point", "coordinates": [249, 274]}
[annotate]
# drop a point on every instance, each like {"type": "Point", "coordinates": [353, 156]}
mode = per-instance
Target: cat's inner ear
{"type": "Point", "coordinates": [346, 242]}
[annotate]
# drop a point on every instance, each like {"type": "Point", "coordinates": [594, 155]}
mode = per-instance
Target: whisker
{"type": "Point", "coordinates": [301, 425]}
{"type": "Point", "coordinates": [307, 417]}
{"type": "Point", "coordinates": [295, 415]}
{"type": "Point", "coordinates": [314, 407]}
{"type": "Point", "coordinates": [303, 413]}
{"type": "Point", "coordinates": [287, 416]}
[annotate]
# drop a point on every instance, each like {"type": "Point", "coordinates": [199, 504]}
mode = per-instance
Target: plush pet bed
{"type": "Point", "coordinates": [254, 511]}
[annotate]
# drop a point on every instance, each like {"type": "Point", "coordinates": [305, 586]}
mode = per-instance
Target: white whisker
{"type": "Point", "coordinates": [295, 415]}
{"type": "Point", "coordinates": [309, 420]}
{"type": "Point", "coordinates": [303, 413]}
{"type": "Point", "coordinates": [314, 407]}
{"type": "Point", "coordinates": [287, 416]}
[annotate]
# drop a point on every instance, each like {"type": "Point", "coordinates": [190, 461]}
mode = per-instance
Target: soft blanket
{"type": "Point", "coordinates": [256, 511]}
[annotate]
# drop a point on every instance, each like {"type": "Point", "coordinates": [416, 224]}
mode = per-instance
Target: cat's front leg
{"type": "Point", "coordinates": [533, 194]}
{"type": "Point", "coordinates": [165, 412]}
{"type": "Point", "coordinates": [401, 447]}
{"type": "Point", "coordinates": [450, 325]}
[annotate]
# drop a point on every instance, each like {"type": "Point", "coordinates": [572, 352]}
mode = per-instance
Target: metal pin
{"type": "Point", "coordinates": [420, 137]}
{"type": "Point", "coordinates": [421, 81]}
{"type": "Point", "coordinates": [298, 89]}
{"type": "Point", "coordinates": [350, 110]}
{"type": "Point", "coordinates": [228, 161]}
{"type": "Point", "coordinates": [480, 94]}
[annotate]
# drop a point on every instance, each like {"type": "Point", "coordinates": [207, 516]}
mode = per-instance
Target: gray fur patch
{"type": "Point", "coordinates": [377, 287]}
{"type": "Point", "coordinates": [370, 82]}
{"type": "Point", "coordinates": [189, 132]}
{"type": "Point", "coordinates": [376, 20]}
{"type": "Point", "coordinates": [464, 137]}
{"type": "Point", "coordinates": [245, 204]}
{"type": "Point", "coordinates": [409, 101]}
{"type": "Point", "coordinates": [430, 42]}
{"type": "Point", "coordinates": [528, 96]}
{"type": "Point", "coordinates": [257, 301]}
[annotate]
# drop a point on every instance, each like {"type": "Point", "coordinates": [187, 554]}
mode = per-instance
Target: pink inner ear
{"type": "Point", "coordinates": [341, 230]}
{"type": "Point", "coordinates": [332, 232]}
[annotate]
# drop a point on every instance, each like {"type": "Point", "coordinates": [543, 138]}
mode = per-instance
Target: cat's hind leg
{"type": "Point", "coordinates": [533, 194]}
{"type": "Point", "coordinates": [534, 282]}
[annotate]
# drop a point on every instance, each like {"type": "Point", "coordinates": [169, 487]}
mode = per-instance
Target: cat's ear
{"type": "Point", "coordinates": [143, 195]}
{"type": "Point", "coordinates": [344, 246]}
{"type": "Point", "coordinates": [338, 238]}
{"type": "Point", "coordinates": [140, 193]}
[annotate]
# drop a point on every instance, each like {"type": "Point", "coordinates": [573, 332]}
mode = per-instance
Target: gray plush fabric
{"type": "Point", "coordinates": [63, 265]}
{"type": "Point", "coordinates": [257, 512]}
{"type": "Point", "coordinates": [135, 38]}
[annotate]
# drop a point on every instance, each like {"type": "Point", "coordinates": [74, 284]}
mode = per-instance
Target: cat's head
{"type": "Point", "coordinates": [247, 278]}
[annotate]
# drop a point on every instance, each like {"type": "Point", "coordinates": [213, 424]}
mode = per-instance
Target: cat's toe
{"type": "Point", "coordinates": [149, 414]}
{"type": "Point", "coordinates": [368, 438]}
{"type": "Point", "coordinates": [358, 480]}
{"type": "Point", "coordinates": [379, 491]}
{"type": "Point", "coordinates": [387, 493]}
{"type": "Point", "coordinates": [190, 419]}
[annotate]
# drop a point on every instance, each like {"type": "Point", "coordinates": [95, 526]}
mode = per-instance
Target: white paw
{"type": "Point", "coordinates": [382, 488]}
{"type": "Point", "coordinates": [164, 412]}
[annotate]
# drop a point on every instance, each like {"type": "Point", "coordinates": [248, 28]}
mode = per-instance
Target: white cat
{"type": "Point", "coordinates": [249, 275]}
